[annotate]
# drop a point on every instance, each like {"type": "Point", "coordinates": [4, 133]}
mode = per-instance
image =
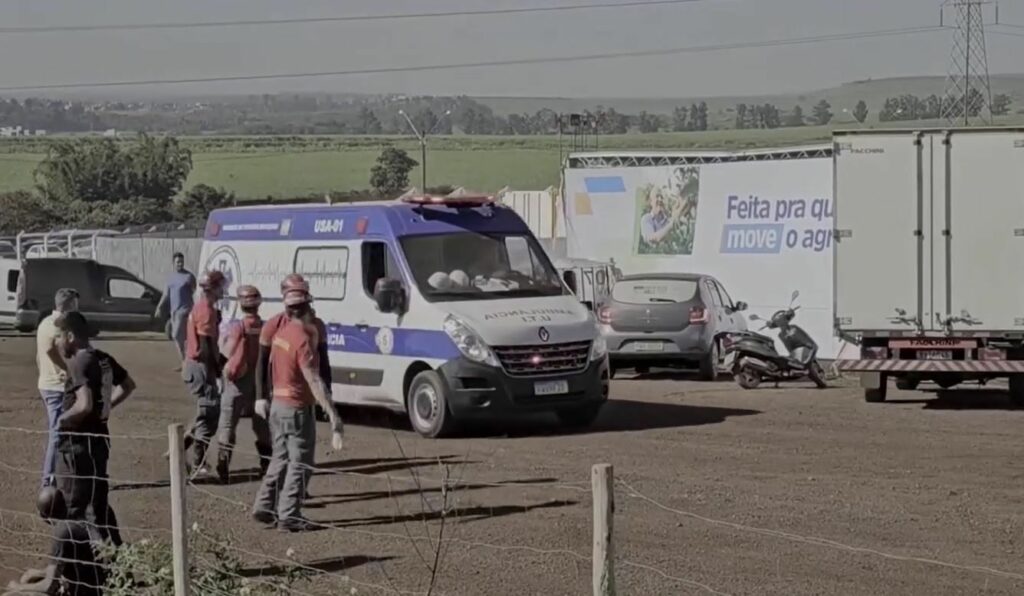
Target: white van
{"type": "Point", "coordinates": [10, 275]}
{"type": "Point", "coordinates": [447, 309]}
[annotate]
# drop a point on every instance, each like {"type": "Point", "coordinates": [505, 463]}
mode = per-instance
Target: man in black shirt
{"type": "Point", "coordinates": [74, 564]}
{"type": "Point", "coordinates": [96, 384]}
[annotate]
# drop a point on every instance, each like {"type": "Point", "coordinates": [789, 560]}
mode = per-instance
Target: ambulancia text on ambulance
{"type": "Point", "coordinates": [445, 308]}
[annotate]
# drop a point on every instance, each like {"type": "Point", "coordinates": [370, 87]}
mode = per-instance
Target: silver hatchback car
{"type": "Point", "coordinates": [670, 320]}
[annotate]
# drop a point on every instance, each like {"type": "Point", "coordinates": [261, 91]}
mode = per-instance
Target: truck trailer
{"type": "Point", "coordinates": [929, 256]}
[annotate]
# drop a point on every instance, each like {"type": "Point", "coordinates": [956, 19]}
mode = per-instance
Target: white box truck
{"type": "Point", "coordinates": [929, 256]}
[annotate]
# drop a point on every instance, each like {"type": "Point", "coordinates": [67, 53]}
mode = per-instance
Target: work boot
{"type": "Point", "coordinates": [199, 459]}
{"type": "Point", "coordinates": [264, 517]}
{"type": "Point", "coordinates": [298, 524]}
{"type": "Point", "coordinates": [223, 467]}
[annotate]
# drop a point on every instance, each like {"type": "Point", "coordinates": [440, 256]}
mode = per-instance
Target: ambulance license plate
{"type": "Point", "coordinates": [551, 388]}
{"type": "Point", "coordinates": [935, 355]}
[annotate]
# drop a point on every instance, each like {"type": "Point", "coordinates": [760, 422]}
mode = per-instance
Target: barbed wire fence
{"type": "Point", "coordinates": [187, 546]}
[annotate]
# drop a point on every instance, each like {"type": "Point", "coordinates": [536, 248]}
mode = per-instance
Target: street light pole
{"type": "Point", "coordinates": [423, 144]}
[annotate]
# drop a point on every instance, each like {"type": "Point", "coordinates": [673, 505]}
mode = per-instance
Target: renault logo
{"type": "Point", "coordinates": [543, 334]}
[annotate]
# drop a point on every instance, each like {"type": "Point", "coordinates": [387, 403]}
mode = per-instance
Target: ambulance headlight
{"type": "Point", "coordinates": [468, 342]}
{"type": "Point", "coordinates": [599, 348]}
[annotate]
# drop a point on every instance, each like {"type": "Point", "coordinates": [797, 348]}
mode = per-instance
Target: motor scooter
{"type": "Point", "coordinates": [752, 356]}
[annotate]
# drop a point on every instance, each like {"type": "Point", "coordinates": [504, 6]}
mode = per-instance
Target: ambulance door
{"type": "Point", "coordinates": [375, 362]}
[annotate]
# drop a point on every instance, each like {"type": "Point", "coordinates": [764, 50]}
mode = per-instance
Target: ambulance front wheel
{"type": "Point", "coordinates": [427, 404]}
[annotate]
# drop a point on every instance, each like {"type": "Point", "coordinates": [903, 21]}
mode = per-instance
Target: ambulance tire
{"type": "Point", "coordinates": [427, 405]}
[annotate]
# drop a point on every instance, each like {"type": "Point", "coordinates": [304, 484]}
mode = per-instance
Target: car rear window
{"type": "Point", "coordinates": [646, 291]}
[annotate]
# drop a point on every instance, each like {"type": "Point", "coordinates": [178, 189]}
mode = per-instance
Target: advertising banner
{"type": "Point", "coordinates": [762, 228]}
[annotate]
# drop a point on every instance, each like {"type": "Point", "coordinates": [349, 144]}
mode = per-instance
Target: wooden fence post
{"type": "Point", "coordinates": [179, 517]}
{"type": "Point", "coordinates": [602, 485]}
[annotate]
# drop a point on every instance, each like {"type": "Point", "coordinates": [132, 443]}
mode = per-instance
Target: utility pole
{"type": "Point", "coordinates": [968, 92]}
{"type": "Point", "coordinates": [423, 143]}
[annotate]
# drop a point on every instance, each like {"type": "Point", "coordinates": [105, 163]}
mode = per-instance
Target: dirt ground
{"type": "Point", "coordinates": [775, 491]}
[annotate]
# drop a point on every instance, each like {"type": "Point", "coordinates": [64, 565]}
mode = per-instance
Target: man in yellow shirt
{"type": "Point", "coordinates": [52, 373]}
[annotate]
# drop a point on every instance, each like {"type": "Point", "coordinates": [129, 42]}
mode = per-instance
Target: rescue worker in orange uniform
{"type": "Point", "coordinates": [270, 328]}
{"type": "Point", "coordinates": [202, 365]}
{"type": "Point", "coordinates": [296, 387]}
{"type": "Point", "coordinates": [241, 348]}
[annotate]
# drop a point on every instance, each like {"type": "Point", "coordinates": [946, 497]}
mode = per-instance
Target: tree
{"type": "Point", "coordinates": [427, 121]}
{"type": "Point", "coordinates": [770, 117]}
{"type": "Point", "coordinates": [1001, 104]}
{"type": "Point", "coordinates": [741, 116]}
{"type": "Point", "coordinates": [795, 117]}
{"type": "Point", "coordinates": [25, 212]}
{"type": "Point", "coordinates": [367, 122]}
{"type": "Point", "coordinates": [699, 116]}
{"type": "Point", "coordinates": [647, 123]}
{"type": "Point", "coordinates": [822, 113]}
{"type": "Point", "coordinates": [932, 107]}
{"type": "Point", "coordinates": [679, 121]}
{"type": "Point", "coordinates": [390, 176]}
{"type": "Point", "coordinates": [105, 183]}
{"type": "Point", "coordinates": [199, 201]}
{"type": "Point", "coordinates": [860, 111]}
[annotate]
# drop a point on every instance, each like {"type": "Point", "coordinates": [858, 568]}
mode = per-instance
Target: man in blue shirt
{"type": "Point", "coordinates": [179, 293]}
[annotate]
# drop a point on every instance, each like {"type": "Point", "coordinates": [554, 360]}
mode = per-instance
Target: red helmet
{"type": "Point", "coordinates": [294, 281]}
{"type": "Point", "coordinates": [297, 297]}
{"type": "Point", "coordinates": [211, 280]}
{"type": "Point", "coordinates": [249, 296]}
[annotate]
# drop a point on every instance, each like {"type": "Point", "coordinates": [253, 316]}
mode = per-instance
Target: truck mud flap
{"type": "Point", "coordinates": [974, 366]}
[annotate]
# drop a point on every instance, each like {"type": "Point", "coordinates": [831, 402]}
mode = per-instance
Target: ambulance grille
{"type": "Point", "coordinates": [545, 359]}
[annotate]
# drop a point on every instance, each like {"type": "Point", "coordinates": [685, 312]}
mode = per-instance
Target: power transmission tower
{"type": "Point", "coordinates": [968, 94]}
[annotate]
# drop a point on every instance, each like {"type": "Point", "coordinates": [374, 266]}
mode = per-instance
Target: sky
{"type": "Point", "coordinates": [28, 59]}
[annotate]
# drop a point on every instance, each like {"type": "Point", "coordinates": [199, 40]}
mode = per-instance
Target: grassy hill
{"type": "Point", "coordinates": [873, 92]}
{"type": "Point", "coordinates": [294, 166]}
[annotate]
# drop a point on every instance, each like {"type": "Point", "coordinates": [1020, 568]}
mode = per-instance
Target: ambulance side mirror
{"type": "Point", "coordinates": [389, 294]}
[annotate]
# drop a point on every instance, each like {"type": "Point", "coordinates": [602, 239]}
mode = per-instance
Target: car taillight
{"type": "Point", "coordinates": [698, 315]}
{"type": "Point", "coordinates": [604, 315]}
{"type": "Point", "coordinates": [21, 289]}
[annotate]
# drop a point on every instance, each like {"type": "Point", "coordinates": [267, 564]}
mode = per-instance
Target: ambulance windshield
{"type": "Point", "coordinates": [472, 266]}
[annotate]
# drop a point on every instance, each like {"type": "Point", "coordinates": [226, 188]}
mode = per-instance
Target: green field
{"type": "Point", "coordinates": [297, 166]}
{"type": "Point", "coordinates": [281, 167]}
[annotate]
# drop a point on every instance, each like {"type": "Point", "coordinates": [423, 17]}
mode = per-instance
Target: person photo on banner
{"type": "Point", "coordinates": [668, 215]}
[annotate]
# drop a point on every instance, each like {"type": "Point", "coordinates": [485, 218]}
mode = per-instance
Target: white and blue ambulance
{"type": "Point", "coordinates": [444, 308]}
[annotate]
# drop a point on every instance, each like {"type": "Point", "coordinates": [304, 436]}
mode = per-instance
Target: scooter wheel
{"type": "Point", "coordinates": [816, 374]}
{"type": "Point", "coordinates": [748, 378]}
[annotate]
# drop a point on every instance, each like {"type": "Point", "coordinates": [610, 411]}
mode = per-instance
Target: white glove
{"type": "Point", "coordinates": [337, 434]}
{"type": "Point", "coordinates": [262, 408]}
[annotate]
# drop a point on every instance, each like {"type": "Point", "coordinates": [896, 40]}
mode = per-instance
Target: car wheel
{"type": "Point", "coordinates": [748, 378]}
{"type": "Point", "coordinates": [1017, 390]}
{"type": "Point", "coordinates": [709, 363]}
{"type": "Point", "coordinates": [579, 418]}
{"type": "Point", "coordinates": [427, 404]}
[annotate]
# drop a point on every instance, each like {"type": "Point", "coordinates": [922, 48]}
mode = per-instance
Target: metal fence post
{"type": "Point", "coordinates": [602, 485]}
{"type": "Point", "coordinates": [179, 519]}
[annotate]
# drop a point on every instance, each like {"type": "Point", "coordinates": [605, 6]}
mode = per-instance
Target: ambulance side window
{"type": "Point", "coordinates": [326, 270]}
{"type": "Point", "coordinates": [377, 264]}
